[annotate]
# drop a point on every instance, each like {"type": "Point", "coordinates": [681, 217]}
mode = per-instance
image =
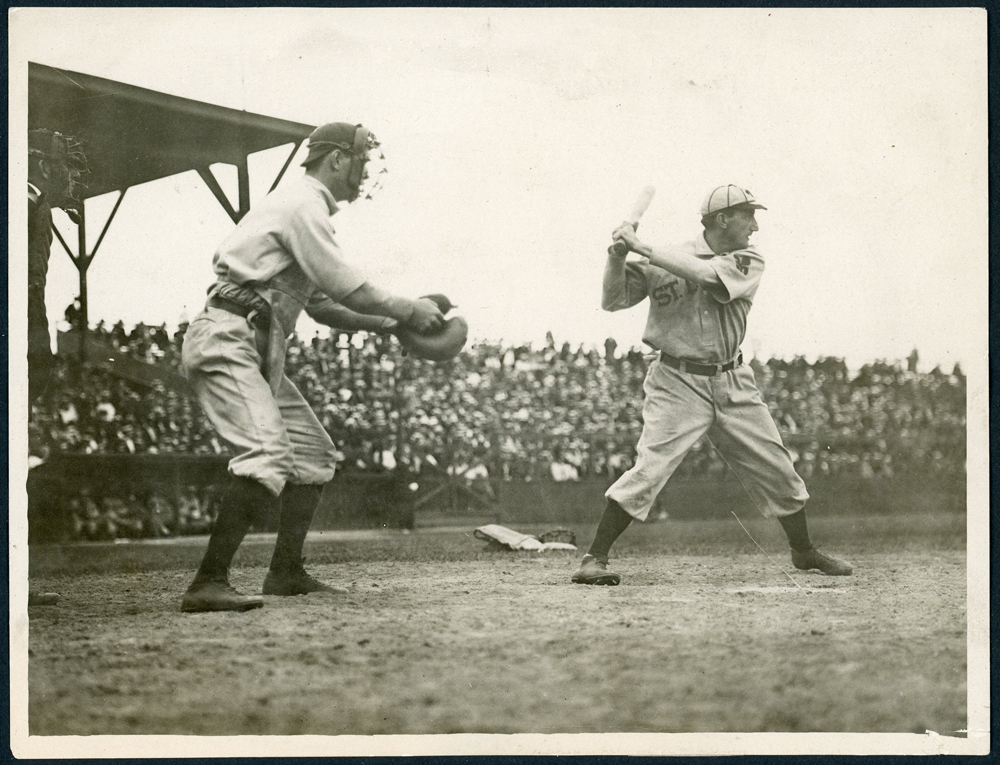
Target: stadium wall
{"type": "Point", "coordinates": [583, 501]}
{"type": "Point", "coordinates": [357, 499]}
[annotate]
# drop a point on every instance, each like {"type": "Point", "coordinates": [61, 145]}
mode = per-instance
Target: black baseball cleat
{"type": "Point", "coordinates": [813, 558]}
{"type": "Point", "coordinates": [295, 581]}
{"type": "Point", "coordinates": [217, 595]}
{"type": "Point", "coordinates": [595, 571]}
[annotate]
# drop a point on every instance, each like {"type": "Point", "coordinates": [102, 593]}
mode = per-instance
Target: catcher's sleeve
{"type": "Point", "coordinates": [371, 299]}
{"type": "Point", "coordinates": [332, 314]}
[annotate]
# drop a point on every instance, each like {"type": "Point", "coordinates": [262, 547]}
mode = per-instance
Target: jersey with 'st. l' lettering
{"type": "Point", "coordinates": [686, 320]}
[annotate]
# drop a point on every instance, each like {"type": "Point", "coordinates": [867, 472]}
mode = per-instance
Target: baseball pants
{"type": "Point", "coordinates": [680, 408]}
{"type": "Point", "coordinates": [276, 436]}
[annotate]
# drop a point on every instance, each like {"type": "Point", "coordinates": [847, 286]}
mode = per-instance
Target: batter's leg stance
{"type": "Point", "coordinates": [594, 566]}
{"type": "Point", "coordinates": [676, 412]}
{"type": "Point", "coordinates": [745, 435]}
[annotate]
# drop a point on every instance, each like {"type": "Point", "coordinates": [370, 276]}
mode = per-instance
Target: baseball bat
{"type": "Point", "coordinates": [638, 208]}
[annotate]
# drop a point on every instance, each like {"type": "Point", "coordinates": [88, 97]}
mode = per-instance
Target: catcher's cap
{"type": "Point", "coordinates": [724, 197]}
{"type": "Point", "coordinates": [337, 135]}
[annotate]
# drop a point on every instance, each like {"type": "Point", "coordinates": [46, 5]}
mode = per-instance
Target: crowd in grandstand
{"type": "Point", "coordinates": [518, 412]}
{"type": "Point", "coordinates": [514, 412]}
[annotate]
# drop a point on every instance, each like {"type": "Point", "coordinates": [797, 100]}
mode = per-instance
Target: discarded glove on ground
{"type": "Point", "coordinates": [501, 536]}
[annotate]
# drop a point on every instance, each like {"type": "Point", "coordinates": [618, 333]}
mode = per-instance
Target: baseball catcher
{"type": "Point", "coordinates": [700, 294]}
{"type": "Point", "coordinates": [280, 260]}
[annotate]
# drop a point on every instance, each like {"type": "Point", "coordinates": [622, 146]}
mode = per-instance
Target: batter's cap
{"type": "Point", "coordinates": [724, 197]}
{"type": "Point", "coordinates": [336, 135]}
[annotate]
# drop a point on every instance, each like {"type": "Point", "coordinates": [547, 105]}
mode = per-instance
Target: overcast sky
{"type": "Point", "coordinates": [517, 139]}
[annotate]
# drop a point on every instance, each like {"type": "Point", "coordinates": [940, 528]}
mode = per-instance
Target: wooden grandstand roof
{"type": "Point", "coordinates": [132, 135]}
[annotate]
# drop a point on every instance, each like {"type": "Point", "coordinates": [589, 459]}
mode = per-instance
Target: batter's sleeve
{"type": "Point", "coordinates": [309, 237]}
{"type": "Point", "coordinates": [739, 275]}
{"type": "Point", "coordinates": [624, 284]}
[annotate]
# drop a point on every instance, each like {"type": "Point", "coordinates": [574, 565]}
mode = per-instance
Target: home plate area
{"type": "Point", "coordinates": [785, 590]}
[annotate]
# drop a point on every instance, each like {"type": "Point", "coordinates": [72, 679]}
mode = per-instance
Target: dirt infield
{"type": "Point", "coordinates": [439, 635]}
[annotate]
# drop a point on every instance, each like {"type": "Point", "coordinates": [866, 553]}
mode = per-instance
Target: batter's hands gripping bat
{"type": "Point", "coordinates": [638, 208]}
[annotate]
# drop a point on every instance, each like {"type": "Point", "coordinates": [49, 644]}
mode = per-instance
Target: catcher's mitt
{"type": "Point", "coordinates": [440, 345]}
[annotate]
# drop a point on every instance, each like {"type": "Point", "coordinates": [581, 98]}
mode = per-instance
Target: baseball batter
{"type": "Point", "coordinates": [281, 259]}
{"type": "Point", "coordinates": [700, 294]}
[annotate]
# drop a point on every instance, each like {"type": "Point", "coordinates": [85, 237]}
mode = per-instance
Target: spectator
{"type": "Point", "coordinates": [516, 412]}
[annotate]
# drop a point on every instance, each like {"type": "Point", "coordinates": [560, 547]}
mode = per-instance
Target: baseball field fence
{"type": "Point", "coordinates": [76, 497]}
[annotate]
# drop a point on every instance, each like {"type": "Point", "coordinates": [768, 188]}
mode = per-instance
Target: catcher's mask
{"type": "Point", "coordinates": [360, 144]}
{"type": "Point", "coordinates": [69, 172]}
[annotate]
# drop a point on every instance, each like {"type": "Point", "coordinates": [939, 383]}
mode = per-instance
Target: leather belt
{"type": "Point", "coordinates": [709, 370]}
{"type": "Point", "coordinates": [225, 304]}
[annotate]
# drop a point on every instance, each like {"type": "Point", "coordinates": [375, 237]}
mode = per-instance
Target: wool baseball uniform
{"type": "Point", "coordinates": [700, 294]}
{"type": "Point", "coordinates": [691, 325]}
{"type": "Point", "coordinates": [281, 259]}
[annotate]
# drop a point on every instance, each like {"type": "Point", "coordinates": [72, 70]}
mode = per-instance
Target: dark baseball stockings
{"type": "Point", "coordinates": [243, 500]}
{"type": "Point", "coordinates": [797, 531]}
{"type": "Point", "coordinates": [614, 521]}
{"type": "Point", "coordinates": [298, 505]}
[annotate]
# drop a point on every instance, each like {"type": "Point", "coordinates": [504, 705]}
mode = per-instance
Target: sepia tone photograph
{"type": "Point", "coordinates": [424, 381]}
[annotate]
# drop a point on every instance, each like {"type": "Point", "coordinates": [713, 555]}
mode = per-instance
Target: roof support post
{"type": "Point", "coordinates": [213, 186]}
{"type": "Point", "coordinates": [82, 260]}
{"type": "Point", "coordinates": [284, 167]}
{"type": "Point", "coordinates": [243, 177]}
{"type": "Point", "coordinates": [82, 264]}
{"type": "Point", "coordinates": [107, 224]}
